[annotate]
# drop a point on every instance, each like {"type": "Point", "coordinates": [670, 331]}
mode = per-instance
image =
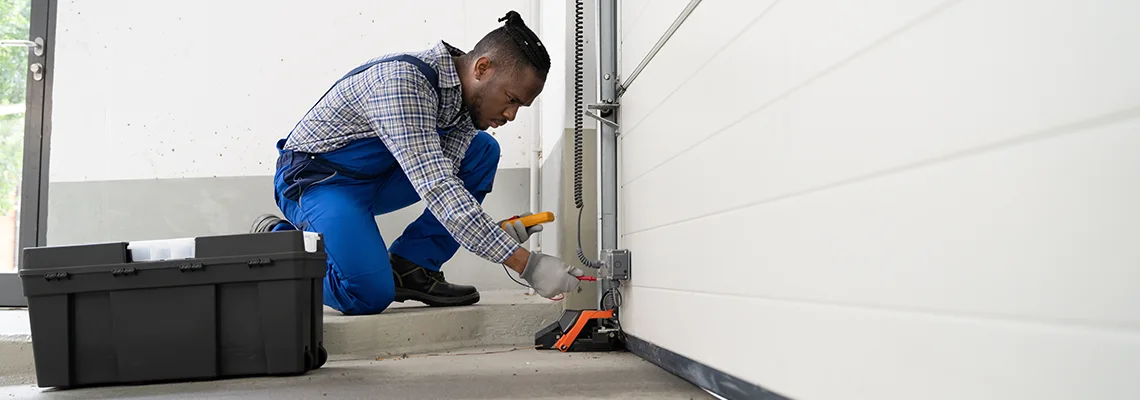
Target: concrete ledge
{"type": "Point", "coordinates": [502, 317]}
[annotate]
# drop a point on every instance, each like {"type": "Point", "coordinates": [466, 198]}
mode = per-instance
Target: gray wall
{"type": "Point", "coordinates": [561, 164]}
{"type": "Point", "coordinates": [126, 210]}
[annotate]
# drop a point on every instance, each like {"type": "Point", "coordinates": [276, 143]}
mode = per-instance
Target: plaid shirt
{"type": "Point", "coordinates": [395, 102]}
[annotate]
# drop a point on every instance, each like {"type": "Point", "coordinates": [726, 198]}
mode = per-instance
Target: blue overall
{"type": "Point", "coordinates": [338, 194]}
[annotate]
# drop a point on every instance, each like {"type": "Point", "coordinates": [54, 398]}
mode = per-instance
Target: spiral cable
{"type": "Point", "coordinates": [578, 44]}
{"type": "Point", "coordinates": [579, 40]}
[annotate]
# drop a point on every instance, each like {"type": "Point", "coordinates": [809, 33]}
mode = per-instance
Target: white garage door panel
{"type": "Point", "coordinates": [709, 29]}
{"type": "Point", "coordinates": [642, 29]}
{"type": "Point", "coordinates": [891, 199]}
{"type": "Point", "coordinates": [809, 351]}
{"type": "Point", "coordinates": [781, 48]}
{"type": "Point", "coordinates": [1045, 230]}
{"type": "Point", "coordinates": [631, 12]}
{"type": "Point", "coordinates": [934, 90]}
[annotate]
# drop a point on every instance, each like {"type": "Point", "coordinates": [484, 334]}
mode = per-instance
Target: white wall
{"type": "Point", "coordinates": [148, 89]}
{"type": "Point", "coordinates": [556, 105]}
{"type": "Point", "coordinates": [161, 98]}
{"type": "Point", "coordinates": [889, 199]}
{"type": "Point", "coordinates": [552, 105]}
{"type": "Point", "coordinates": [555, 31]}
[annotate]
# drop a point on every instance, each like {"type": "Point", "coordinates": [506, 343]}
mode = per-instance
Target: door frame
{"type": "Point", "coordinates": [37, 135]}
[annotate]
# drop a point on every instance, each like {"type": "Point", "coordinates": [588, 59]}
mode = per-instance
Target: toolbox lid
{"type": "Point", "coordinates": [183, 248]}
{"type": "Point", "coordinates": [144, 251]}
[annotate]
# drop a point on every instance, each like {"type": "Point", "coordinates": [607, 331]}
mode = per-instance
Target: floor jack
{"type": "Point", "coordinates": [581, 330]}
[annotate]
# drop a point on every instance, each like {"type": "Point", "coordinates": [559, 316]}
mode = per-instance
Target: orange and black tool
{"type": "Point", "coordinates": [531, 220]}
{"type": "Point", "coordinates": [580, 330]}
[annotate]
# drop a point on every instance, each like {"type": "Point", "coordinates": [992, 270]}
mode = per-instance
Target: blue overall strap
{"type": "Point", "coordinates": [427, 70]}
{"type": "Point", "coordinates": [424, 68]}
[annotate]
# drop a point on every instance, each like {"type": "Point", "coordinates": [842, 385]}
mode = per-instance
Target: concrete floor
{"type": "Point", "coordinates": [16, 364]}
{"type": "Point", "coordinates": [493, 373]}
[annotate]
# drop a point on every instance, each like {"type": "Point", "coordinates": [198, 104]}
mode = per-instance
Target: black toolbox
{"type": "Point", "coordinates": [185, 309]}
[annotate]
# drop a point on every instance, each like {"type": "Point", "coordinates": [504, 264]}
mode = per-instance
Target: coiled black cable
{"type": "Point", "coordinates": [579, 41]}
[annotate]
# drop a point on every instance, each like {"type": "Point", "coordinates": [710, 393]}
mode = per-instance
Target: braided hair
{"type": "Point", "coordinates": [515, 45]}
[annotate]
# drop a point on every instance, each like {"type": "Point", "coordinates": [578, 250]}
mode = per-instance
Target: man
{"type": "Point", "coordinates": [403, 128]}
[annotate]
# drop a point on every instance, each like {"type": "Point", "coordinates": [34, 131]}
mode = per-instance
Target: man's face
{"type": "Point", "coordinates": [497, 94]}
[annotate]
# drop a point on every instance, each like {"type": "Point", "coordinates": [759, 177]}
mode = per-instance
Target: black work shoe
{"type": "Point", "coordinates": [264, 223]}
{"type": "Point", "coordinates": [414, 282]}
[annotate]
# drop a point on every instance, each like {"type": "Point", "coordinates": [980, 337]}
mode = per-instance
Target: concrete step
{"type": "Point", "coordinates": [501, 318]}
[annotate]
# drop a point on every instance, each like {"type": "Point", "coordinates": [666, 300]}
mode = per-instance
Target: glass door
{"type": "Point", "coordinates": [23, 80]}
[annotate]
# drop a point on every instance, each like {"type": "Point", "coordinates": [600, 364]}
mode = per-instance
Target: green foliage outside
{"type": "Point", "coordinates": [14, 16]}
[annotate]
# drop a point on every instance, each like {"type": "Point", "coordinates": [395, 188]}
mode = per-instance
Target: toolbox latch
{"type": "Point", "coordinates": [57, 276]}
{"type": "Point", "coordinates": [191, 267]}
{"type": "Point", "coordinates": [124, 272]}
{"type": "Point", "coordinates": [261, 262]}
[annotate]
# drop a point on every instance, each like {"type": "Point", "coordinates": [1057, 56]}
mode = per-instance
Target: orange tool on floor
{"type": "Point", "coordinates": [567, 340]}
{"type": "Point", "coordinates": [580, 330]}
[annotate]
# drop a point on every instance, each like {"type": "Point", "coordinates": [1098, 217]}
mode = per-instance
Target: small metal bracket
{"type": "Point", "coordinates": [615, 265]}
{"type": "Point", "coordinates": [36, 45]}
{"type": "Point", "coordinates": [605, 109]}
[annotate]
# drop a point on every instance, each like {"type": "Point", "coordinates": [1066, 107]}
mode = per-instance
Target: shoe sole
{"type": "Point", "coordinates": [435, 301]}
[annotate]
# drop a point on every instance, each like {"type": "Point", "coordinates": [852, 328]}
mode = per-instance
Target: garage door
{"type": "Point", "coordinates": [887, 199]}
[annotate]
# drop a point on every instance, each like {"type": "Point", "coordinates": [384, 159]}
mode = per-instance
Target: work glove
{"type": "Point", "coordinates": [519, 232]}
{"type": "Point", "coordinates": [549, 276]}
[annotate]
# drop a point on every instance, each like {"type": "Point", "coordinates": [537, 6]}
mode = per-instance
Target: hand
{"type": "Point", "coordinates": [519, 232]}
{"type": "Point", "coordinates": [549, 276]}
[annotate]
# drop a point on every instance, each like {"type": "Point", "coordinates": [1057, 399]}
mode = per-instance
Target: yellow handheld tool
{"type": "Point", "coordinates": [531, 220]}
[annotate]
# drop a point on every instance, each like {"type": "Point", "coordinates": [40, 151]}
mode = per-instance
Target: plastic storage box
{"type": "Point", "coordinates": [186, 309]}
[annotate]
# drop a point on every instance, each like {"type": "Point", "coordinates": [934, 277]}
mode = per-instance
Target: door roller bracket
{"type": "Point", "coordinates": [605, 109]}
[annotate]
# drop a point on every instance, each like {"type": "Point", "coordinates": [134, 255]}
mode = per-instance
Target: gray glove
{"type": "Point", "coordinates": [549, 276]}
{"type": "Point", "coordinates": [519, 232]}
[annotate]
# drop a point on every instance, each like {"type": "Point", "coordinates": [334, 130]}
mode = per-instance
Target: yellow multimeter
{"type": "Point", "coordinates": [531, 220]}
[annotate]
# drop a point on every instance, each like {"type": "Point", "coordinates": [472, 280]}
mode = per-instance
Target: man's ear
{"type": "Point", "coordinates": [483, 68]}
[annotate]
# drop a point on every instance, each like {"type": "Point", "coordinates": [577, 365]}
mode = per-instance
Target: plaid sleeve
{"type": "Point", "coordinates": [403, 110]}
